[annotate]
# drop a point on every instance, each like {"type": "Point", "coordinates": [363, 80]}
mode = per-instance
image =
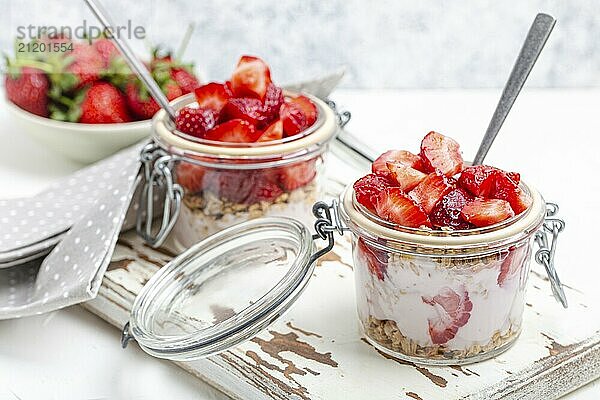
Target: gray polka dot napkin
{"type": "Point", "coordinates": [85, 212]}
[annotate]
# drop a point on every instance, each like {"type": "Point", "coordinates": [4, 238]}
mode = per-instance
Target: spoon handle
{"type": "Point", "coordinates": [136, 65]}
{"type": "Point", "coordinates": [534, 43]}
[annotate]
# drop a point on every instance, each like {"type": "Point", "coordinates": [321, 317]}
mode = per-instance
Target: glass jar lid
{"type": "Point", "coordinates": [223, 290]}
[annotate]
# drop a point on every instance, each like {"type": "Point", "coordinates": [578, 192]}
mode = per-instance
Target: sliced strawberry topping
{"type": "Point", "coordinates": [507, 189]}
{"type": "Point", "coordinates": [396, 156]}
{"type": "Point", "coordinates": [298, 114]}
{"type": "Point", "coordinates": [479, 180]}
{"type": "Point", "coordinates": [406, 177]}
{"type": "Point", "coordinates": [297, 175]}
{"type": "Point", "coordinates": [234, 131]}
{"type": "Point", "coordinates": [431, 189]}
{"type": "Point", "coordinates": [245, 108]}
{"type": "Point", "coordinates": [213, 96]}
{"type": "Point", "coordinates": [375, 259]}
{"type": "Point", "coordinates": [190, 176]}
{"type": "Point", "coordinates": [485, 212]}
{"type": "Point", "coordinates": [264, 190]}
{"type": "Point", "coordinates": [195, 121]}
{"type": "Point", "coordinates": [236, 186]}
{"type": "Point", "coordinates": [512, 264]}
{"type": "Point", "coordinates": [393, 205]}
{"type": "Point", "coordinates": [446, 212]}
{"type": "Point", "coordinates": [251, 77]}
{"type": "Point", "coordinates": [514, 176]}
{"type": "Point", "coordinates": [453, 312]}
{"type": "Point", "coordinates": [272, 102]}
{"type": "Point", "coordinates": [439, 152]}
{"type": "Point", "coordinates": [368, 188]}
{"type": "Point", "coordinates": [273, 132]}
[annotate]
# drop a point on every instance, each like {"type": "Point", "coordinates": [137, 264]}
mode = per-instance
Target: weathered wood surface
{"type": "Point", "coordinates": [315, 351]}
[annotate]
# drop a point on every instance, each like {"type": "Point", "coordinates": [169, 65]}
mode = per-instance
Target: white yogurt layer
{"type": "Point", "coordinates": [193, 225]}
{"type": "Point", "coordinates": [399, 297]}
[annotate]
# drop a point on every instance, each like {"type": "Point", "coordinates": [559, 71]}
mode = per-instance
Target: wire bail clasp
{"type": "Point", "coordinates": [328, 221]}
{"type": "Point", "coordinates": [545, 255]}
{"type": "Point", "coordinates": [157, 176]}
{"type": "Point", "coordinates": [343, 117]}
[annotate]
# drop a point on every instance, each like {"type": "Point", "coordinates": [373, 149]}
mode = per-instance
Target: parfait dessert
{"type": "Point", "coordinates": [250, 154]}
{"type": "Point", "coordinates": [442, 304]}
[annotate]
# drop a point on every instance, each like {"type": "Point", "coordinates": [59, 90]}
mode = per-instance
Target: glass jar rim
{"type": "Point", "coordinates": [308, 141]}
{"type": "Point", "coordinates": [515, 229]}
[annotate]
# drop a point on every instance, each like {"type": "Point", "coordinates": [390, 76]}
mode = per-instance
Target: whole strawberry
{"type": "Point", "coordinates": [103, 103]}
{"type": "Point", "coordinates": [87, 64]}
{"type": "Point", "coordinates": [106, 49]}
{"type": "Point", "coordinates": [186, 81]}
{"type": "Point", "coordinates": [28, 89]}
{"type": "Point", "coordinates": [142, 104]}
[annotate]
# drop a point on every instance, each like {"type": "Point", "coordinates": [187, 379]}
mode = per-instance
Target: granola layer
{"type": "Point", "coordinates": [204, 214]}
{"type": "Point", "coordinates": [388, 335]}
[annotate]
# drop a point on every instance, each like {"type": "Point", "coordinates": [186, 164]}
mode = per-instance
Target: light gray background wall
{"type": "Point", "coordinates": [384, 44]}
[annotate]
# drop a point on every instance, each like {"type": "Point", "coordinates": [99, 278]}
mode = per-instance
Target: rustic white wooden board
{"type": "Point", "coordinates": [316, 350]}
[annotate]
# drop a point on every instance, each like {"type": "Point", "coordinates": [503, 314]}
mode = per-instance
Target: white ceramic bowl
{"type": "Point", "coordinates": [84, 143]}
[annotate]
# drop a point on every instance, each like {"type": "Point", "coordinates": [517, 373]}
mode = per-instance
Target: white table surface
{"type": "Point", "coordinates": [552, 137]}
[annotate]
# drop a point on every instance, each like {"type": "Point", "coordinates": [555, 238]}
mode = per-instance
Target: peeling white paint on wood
{"type": "Point", "coordinates": [315, 351]}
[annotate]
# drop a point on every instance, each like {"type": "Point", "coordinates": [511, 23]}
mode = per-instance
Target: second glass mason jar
{"type": "Point", "coordinates": [441, 297]}
{"type": "Point", "coordinates": [228, 183]}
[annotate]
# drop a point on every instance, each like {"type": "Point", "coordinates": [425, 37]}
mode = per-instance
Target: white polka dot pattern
{"type": "Point", "coordinates": [73, 271]}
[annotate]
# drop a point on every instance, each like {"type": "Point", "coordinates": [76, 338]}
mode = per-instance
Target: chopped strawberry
{"type": "Point", "coordinates": [195, 121]}
{"type": "Point", "coordinates": [273, 132]}
{"type": "Point", "coordinates": [251, 77]}
{"type": "Point", "coordinates": [446, 212]}
{"type": "Point", "coordinates": [297, 115]}
{"type": "Point", "coordinates": [406, 177]}
{"type": "Point", "coordinates": [430, 190]}
{"type": "Point", "coordinates": [297, 175]}
{"type": "Point", "coordinates": [393, 205]}
{"type": "Point", "coordinates": [213, 95]}
{"type": "Point", "coordinates": [479, 180]}
{"type": "Point", "coordinates": [514, 176]}
{"type": "Point", "coordinates": [484, 212]}
{"type": "Point", "coordinates": [512, 263]}
{"type": "Point", "coordinates": [245, 108]}
{"type": "Point", "coordinates": [236, 186]}
{"type": "Point", "coordinates": [375, 259]}
{"type": "Point", "coordinates": [398, 156]}
{"type": "Point", "coordinates": [439, 152]}
{"type": "Point", "coordinates": [264, 191]}
{"type": "Point", "coordinates": [234, 131]}
{"type": "Point", "coordinates": [190, 176]}
{"type": "Point", "coordinates": [508, 190]}
{"type": "Point", "coordinates": [453, 312]}
{"type": "Point", "coordinates": [368, 188]}
{"type": "Point", "coordinates": [272, 102]}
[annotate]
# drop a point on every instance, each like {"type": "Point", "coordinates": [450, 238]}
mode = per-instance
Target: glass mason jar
{"type": "Point", "coordinates": [425, 296]}
{"type": "Point", "coordinates": [223, 184]}
{"type": "Point", "coordinates": [442, 297]}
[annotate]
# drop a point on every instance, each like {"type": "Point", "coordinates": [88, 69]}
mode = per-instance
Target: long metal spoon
{"type": "Point", "coordinates": [136, 65]}
{"type": "Point", "coordinates": [534, 43]}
